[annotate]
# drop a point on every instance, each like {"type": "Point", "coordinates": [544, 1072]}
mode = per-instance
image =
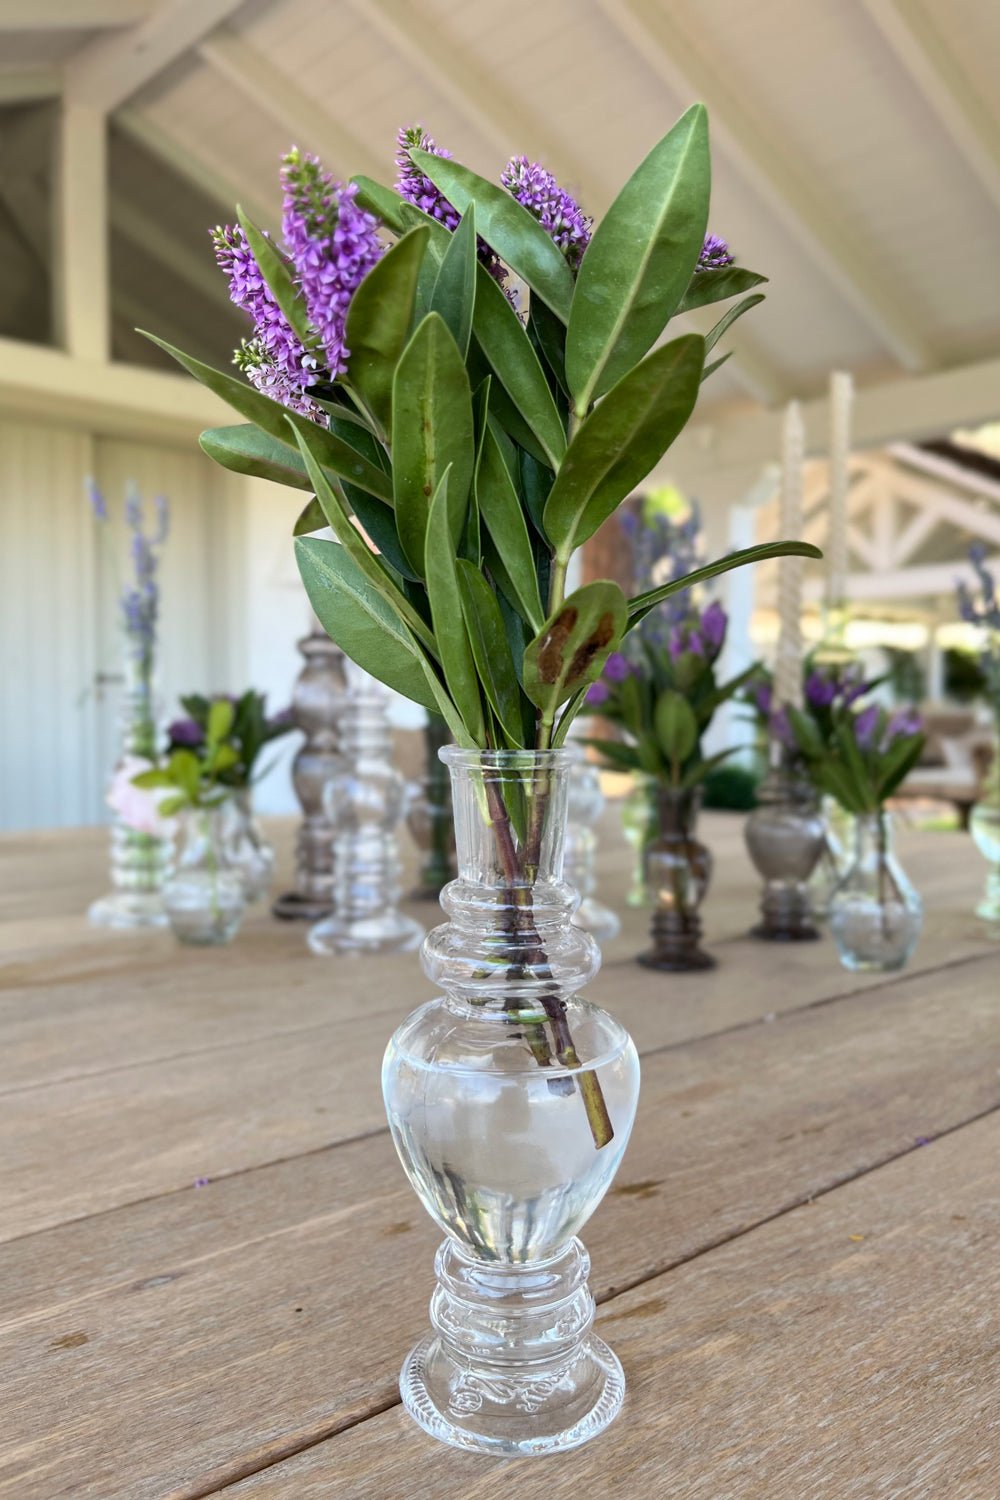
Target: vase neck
{"type": "Point", "coordinates": [873, 836]}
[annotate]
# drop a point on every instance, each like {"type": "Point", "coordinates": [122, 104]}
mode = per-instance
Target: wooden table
{"type": "Point", "coordinates": [798, 1264]}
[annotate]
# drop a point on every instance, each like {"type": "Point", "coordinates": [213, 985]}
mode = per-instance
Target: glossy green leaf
{"type": "Point", "coordinates": [640, 606]}
{"type": "Point", "coordinates": [503, 340]}
{"type": "Point", "coordinates": [536, 482]}
{"type": "Point", "coordinates": [454, 292]}
{"type": "Point", "coordinates": [381, 201]}
{"type": "Point", "coordinates": [360, 619]}
{"type": "Point", "coordinates": [432, 431]}
{"type": "Point", "coordinates": [571, 648]}
{"type": "Point", "coordinates": [312, 518]}
{"type": "Point", "coordinates": [710, 286]}
{"type": "Point", "coordinates": [274, 419]}
{"type": "Point", "coordinates": [378, 322]}
{"type": "Point", "coordinates": [676, 727]}
{"type": "Point", "coordinates": [728, 319]}
{"type": "Point", "coordinates": [506, 226]}
{"type": "Point", "coordinates": [488, 638]}
{"type": "Point", "coordinates": [454, 647]}
{"type": "Point", "coordinates": [638, 265]}
{"type": "Point", "coordinates": [245, 449]}
{"type": "Point", "coordinates": [715, 364]}
{"type": "Point", "coordinates": [277, 272]}
{"type": "Point", "coordinates": [335, 507]}
{"type": "Point", "coordinates": [621, 440]}
{"type": "Point", "coordinates": [513, 426]}
{"type": "Point", "coordinates": [501, 513]}
{"type": "Point", "coordinates": [550, 337]}
{"type": "Point", "coordinates": [375, 517]}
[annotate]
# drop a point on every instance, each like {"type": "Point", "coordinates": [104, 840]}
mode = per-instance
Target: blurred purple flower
{"type": "Point", "coordinates": [820, 690]}
{"type": "Point", "coordinates": [865, 726]}
{"type": "Point", "coordinates": [714, 623]}
{"type": "Point", "coordinates": [558, 213]}
{"type": "Point", "coordinates": [617, 667]}
{"type": "Point", "coordinates": [782, 730]}
{"type": "Point", "coordinates": [186, 732]}
{"type": "Point", "coordinates": [282, 718]}
{"type": "Point", "coordinates": [904, 721]}
{"type": "Point", "coordinates": [715, 254]}
{"type": "Point", "coordinates": [98, 504]}
{"type": "Point", "coordinates": [597, 693]}
{"type": "Point", "coordinates": [763, 694]}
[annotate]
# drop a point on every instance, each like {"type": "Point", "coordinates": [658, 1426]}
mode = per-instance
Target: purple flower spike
{"type": "Point", "coordinates": [617, 667]}
{"type": "Point", "coordinates": [558, 213]}
{"type": "Point", "coordinates": [905, 721]}
{"type": "Point", "coordinates": [820, 690]}
{"type": "Point", "coordinates": [413, 185]}
{"type": "Point", "coordinates": [865, 725]}
{"type": "Point", "coordinates": [714, 623]}
{"type": "Point", "coordinates": [763, 697]}
{"type": "Point", "coordinates": [715, 254]}
{"type": "Point", "coordinates": [98, 504]}
{"type": "Point", "coordinates": [597, 693]}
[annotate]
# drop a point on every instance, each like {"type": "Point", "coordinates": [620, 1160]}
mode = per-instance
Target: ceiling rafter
{"type": "Point", "coordinates": [71, 15]}
{"type": "Point", "coordinates": [107, 72]}
{"type": "Point", "coordinates": [149, 236]}
{"type": "Point", "coordinates": [925, 55]}
{"type": "Point", "coordinates": [297, 112]}
{"type": "Point", "coordinates": [504, 117]}
{"type": "Point", "coordinates": [27, 85]}
{"type": "Point", "coordinates": [201, 174]}
{"type": "Point", "coordinates": [658, 39]}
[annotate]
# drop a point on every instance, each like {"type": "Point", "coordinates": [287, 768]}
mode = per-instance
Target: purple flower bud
{"type": "Point", "coordinates": [559, 215]}
{"type": "Point", "coordinates": [820, 690]}
{"type": "Point", "coordinates": [676, 643]}
{"type": "Point", "coordinates": [865, 725]}
{"type": "Point", "coordinates": [714, 623]}
{"type": "Point", "coordinates": [186, 732]}
{"type": "Point", "coordinates": [617, 667]}
{"type": "Point", "coordinates": [763, 694]}
{"type": "Point", "coordinates": [597, 693]}
{"type": "Point", "coordinates": [714, 255]}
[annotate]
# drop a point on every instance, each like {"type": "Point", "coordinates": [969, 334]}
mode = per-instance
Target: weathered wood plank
{"type": "Point", "coordinates": [177, 1321]}
{"type": "Point", "coordinates": [848, 1349]}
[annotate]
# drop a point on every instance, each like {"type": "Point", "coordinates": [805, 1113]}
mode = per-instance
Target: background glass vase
{"type": "Point", "coordinates": [140, 861]}
{"type": "Point", "coordinates": [876, 914]}
{"type": "Point", "coordinates": [497, 1095]}
{"type": "Point", "coordinates": [247, 850]}
{"type": "Point", "coordinates": [678, 871]}
{"type": "Point", "coordinates": [835, 856]}
{"type": "Point", "coordinates": [639, 825]}
{"type": "Point", "coordinates": [204, 896]}
{"type": "Point", "coordinates": [586, 803]}
{"type": "Point", "coordinates": [429, 816]}
{"type": "Point", "coordinates": [784, 838]}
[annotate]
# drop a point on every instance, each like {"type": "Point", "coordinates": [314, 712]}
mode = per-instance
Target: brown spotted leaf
{"type": "Point", "coordinates": [572, 646]}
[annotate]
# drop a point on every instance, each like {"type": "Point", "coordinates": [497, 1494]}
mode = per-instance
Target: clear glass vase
{"type": "Point", "coordinates": [678, 871]}
{"type": "Point", "coordinates": [510, 1100]}
{"type": "Point", "coordinates": [430, 819]}
{"type": "Point", "coordinates": [247, 850]}
{"type": "Point", "coordinates": [364, 802]}
{"type": "Point", "coordinates": [835, 857]}
{"type": "Point", "coordinates": [639, 826]}
{"type": "Point", "coordinates": [784, 838]}
{"type": "Point", "coordinates": [876, 914]}
{"type": "Point", "coordinates": [984, 825]}
{"type": "Point", "coordinates": [140, 861]}
{"type": "Point", "coordinates": [586, 803]}
{"type": "Point", "coordinates": [204, 896]}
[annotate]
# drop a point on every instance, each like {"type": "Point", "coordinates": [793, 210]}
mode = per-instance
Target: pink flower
{"type": "Point", "coordinates": [138, 809]}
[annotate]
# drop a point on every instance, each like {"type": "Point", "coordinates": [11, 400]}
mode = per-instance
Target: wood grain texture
{"type": "Point", "coordinates": [176, 1322]}
{"type": "Point", "coordinates": [848, 1349]}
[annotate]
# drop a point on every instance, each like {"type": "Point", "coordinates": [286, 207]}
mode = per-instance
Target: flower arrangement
{"type": "Point", "coordinates": [193, 776]}
{"type": "Point", "coordinates": [827, 687]}
{"type": "Point", "coordinates": [467, 375]}
{"type": "Point", "coordinates": [866, 756]}
{"type": "Point", "coordinates": [251, 729]}
{"type": "Point", "coordinates": [665, 698]}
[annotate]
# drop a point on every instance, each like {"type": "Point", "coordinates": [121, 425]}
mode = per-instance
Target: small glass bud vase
{"type": "Point", "coordinates": [639, 825]}
{"type": "Point", "coordinates": [510, 1100]}
{"type": "Point", "coordinates": [364, 801]}
{"type": "Point", "coordinates": [784, 838]}
{"type": "Point", "coordinates": [204, 897]}
{"type": "Point", "coordinates": [835, 857]}
{"type": "Point", "coordinates": [875, 915]}
{"type": "Point", "coordinates": [678, 870]}
{"type": "Point", "coordinates": [246, 848]}
{"type": "Point", "coordinates": [586, 803]}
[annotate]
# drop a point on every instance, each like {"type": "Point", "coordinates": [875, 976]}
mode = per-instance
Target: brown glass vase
{"type": "Point", "coordinates": [678, 870]}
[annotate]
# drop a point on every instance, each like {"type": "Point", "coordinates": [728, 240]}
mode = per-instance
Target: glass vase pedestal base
{"type": "Point", "coordinates": [786, 918]}
{"type": "Point", "coordinates": [513, 1367]}
{"type": "Point", "coordinates": [128, 909]}
{"type": "Point", "coordinates": [390, 932]}
{"type": "Point", "coordinates": [295, 906]}
{"type": "Point", "coordinates": [676, 944]}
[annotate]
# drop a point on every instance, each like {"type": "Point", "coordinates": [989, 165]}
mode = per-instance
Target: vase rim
{"type": "Point", "coordinates": [510, 760]}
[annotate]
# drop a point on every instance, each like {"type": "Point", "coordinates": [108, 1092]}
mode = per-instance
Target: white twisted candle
{"type": "Point", "coordinates": [788, 662]}
{"type": "Point", "coordinates": [841, 396]}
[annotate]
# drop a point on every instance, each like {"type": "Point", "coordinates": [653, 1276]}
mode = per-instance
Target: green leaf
{"type": "Point", "coordinates": [728, 319]}
{"type": "Point", "coordinates": [640, 261]}
{"type": "Point", "coordinates": [703, 768]}
{"type": "Point", "coordinates": [386, 204]}
{"type": "Point", "coordinates": [151, 781]}
{"type": "Point", "coordinates": [715, 364]}
{"type": "Point", "coordinates": [536, 486]}
{"type": "Point", "coordinates": [361, 621]}
{"type": "Point", "coordinates": [572, 646]}
{"type": "Point", "coordinates": [454, 292]}
{"type": "Point", "coordinates": [277, 272]}
{"type": "Point", "coordinates": [378, 322]}
{"type": "Point", "coordinates": [506, 226]}
{"type": "Point", "coordinates": [335, 508]}
{"type": "Point", "coordinates": [898, 762]}
{"type": "Point", "coordinates": [639, 607]}
{"type": "Point", "coordinates": [376, 518]}
{"type": "Point", "coordinates": [454, 647]}
{"type": "Point", "coordinates": [621, 440]}
{"type": "Point", "coordinates": [488, 638]}
{"type": "Point", "coordinates": [500, 510]}
{"type": "Point", "coordinates": [501, 336]}
{"type": "Point", "coordinates": [245, 449]}
{"type": "Point", "coordinates": [624, 757]}
{"type": "Point", "coordinates": [676, 727]}
{"type": "Point", "coordinates": [171, 805]}
{"type": "Point", "coordinates": [432, 431]}
{"type": "Point", "coordinates": [715, 286]}
{"type": "Point", "coordinates": [551, 340]}
{"type": "Point", "coordinates": [274, 418]}
{"type": "Point", "coordinates": [221, 714]}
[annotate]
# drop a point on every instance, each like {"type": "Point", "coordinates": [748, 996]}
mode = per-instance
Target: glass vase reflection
{"type": "Point", "coordinates": [246, 848]}
{"type": "Point", "coordinates": [876, 915]}
{"type": "Point", "coordinates": [639, 825]}
{"type": "Point", "coordinates": [140, 861]}
{"type": "Point", "coordinates": [364, 801]}
{"type": "Point", "coordinates": [204, 896]}
{"type": "Point", "coordinates": [678, 871]}
{"type": "Point", "coordinates": [586, 803]}
{"type": "Point", "coordinates": [510, 1100]}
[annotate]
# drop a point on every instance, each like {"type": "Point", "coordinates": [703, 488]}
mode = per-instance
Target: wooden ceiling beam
{"type": "Point", "coordinates": [29, 85]}
{"type": "Point", "coordinates": [107, 72]}
{"type": "Point", "coordinates": [201, 174]}
{"type": "Point", "coordinates": [298, 113]}
{"type": "Point", "coordinates": [72, 15]}
{"type": "Point", "coordinates": [925, 55]}
{"type": "Point", "coordinates": [147, 235]}
{"type": "Point", "coordinates": [772, 171]}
